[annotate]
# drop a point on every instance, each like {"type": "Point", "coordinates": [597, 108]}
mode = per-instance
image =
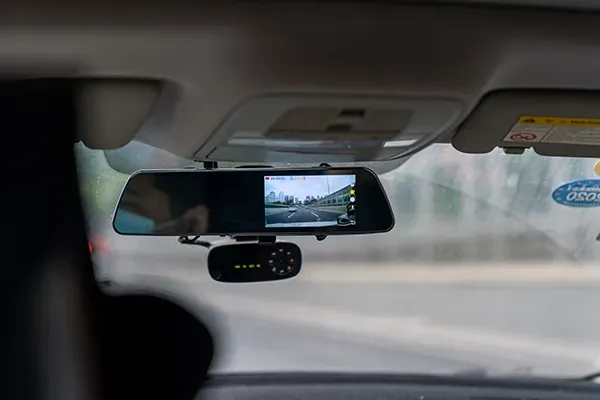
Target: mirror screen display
{"type": "Point", "coordinates": [293, 201]}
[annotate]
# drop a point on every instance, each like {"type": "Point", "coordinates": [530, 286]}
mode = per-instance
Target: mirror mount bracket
{"type": "Point", "coordinates": [194, 240]}
{"type": "Point", "coordinates": [258, 239]}
{"type": "Point", "coordinates": [210, 164]}
{"type": "Point", "coordinates": [267, 239]}
{"type": "Point", "coordinates": [254, 166]}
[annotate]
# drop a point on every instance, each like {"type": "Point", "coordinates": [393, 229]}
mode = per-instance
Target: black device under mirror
{"type": "Point", "coordinates": [254, 262]}
{"type": "Point", "coordinates": [309, 201]}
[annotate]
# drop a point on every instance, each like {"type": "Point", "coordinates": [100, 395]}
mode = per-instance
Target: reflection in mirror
{"type": "Point", "coordinates": [147, 207]}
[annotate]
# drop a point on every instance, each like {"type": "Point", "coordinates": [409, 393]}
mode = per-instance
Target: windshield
{"type": "Point", "coordinates": [482, 270]}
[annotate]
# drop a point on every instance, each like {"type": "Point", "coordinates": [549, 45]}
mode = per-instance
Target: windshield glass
{"type": "Point", "coordinates": [482, 270]}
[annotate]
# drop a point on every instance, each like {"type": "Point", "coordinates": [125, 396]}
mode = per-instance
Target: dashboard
{"type": "Point", "coordinates": [327, 386]}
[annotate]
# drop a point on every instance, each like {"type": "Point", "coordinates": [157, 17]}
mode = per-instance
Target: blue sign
{"type": "Point", "coordinates": [581, 193]}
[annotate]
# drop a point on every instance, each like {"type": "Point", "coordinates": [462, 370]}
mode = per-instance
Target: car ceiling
{"type": "Point", "coordinates": [211, 57]}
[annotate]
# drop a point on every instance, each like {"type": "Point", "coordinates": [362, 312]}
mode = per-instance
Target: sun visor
{"type": "Point", "coordinates": [114, 109]}
{"type": "Point", "coordinates": [305, 128]}
{"type": "Point", "coordinates": [553, 122]}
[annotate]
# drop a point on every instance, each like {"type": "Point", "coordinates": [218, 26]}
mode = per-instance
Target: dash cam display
{"type": "Point", "coordinates": [310, 201]}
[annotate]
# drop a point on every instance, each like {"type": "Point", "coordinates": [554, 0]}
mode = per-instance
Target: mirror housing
{"type": "Point", "coordinates": [253, 202]}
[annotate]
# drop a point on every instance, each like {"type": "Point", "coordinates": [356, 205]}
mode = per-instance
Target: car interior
{"type": "Point", "coordinates": [245, 97]}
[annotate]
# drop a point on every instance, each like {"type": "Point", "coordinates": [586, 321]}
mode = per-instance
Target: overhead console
{"type": "Point", "coordinates": [311, 128]}
{"type": "Point", "coordinates": [553, 122]}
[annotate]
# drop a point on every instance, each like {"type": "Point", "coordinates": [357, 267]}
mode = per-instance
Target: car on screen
{"type": "Point", "coordinates": [292, 209]}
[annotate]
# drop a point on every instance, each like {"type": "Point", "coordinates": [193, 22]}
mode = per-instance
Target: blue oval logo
{"type": "Point", "coordinates": [581, 193]}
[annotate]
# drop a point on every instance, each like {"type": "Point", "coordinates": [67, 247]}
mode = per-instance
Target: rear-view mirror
{"type": "Point", "coordinates": [327, 201]}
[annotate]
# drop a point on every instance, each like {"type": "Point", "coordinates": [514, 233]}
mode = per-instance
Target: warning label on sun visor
{"type": "Point", "coordinates": [529, 129]}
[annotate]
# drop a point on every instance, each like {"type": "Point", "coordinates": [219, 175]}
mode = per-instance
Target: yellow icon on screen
{"type": "Point", "coordinates": [237, 267]}
{"type": "Point", "coordinates": [243, 266]}
{"type": "Point", "coordinates": [352, 192]}
{"type": "Point", "coordinates": [257, 265]}
{"type": "Point", "coordinates": [251, 266]}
